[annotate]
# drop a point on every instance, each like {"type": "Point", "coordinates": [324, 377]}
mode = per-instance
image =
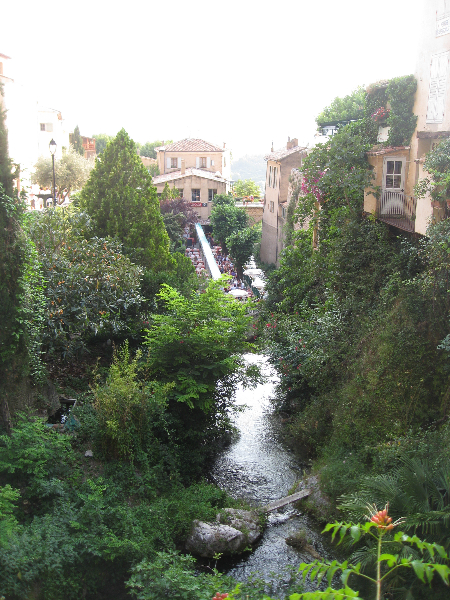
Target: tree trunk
{"type": "Point", "coordinates": [5, 416]}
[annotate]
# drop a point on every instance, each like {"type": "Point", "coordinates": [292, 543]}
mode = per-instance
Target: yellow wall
{"type": "Point", "coordinates": [190, 182]}
{"type": "Point", "coordinates": [190, 159]}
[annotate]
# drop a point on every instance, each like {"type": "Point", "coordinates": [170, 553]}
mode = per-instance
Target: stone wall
{"type": "Point", "coordinates": [254, 210]}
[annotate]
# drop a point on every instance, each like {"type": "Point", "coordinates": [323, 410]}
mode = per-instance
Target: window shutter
{"type": "Point", "coordinates": [212, 163]}
{"type": "Point", "coordinates": [438, 85]}
{"type": "Point", "coordinates": [179, 162]}
{"type": "Point", "coordinates": [168, 163]}
{"type": "Point", "coordinates": [208, 162]}
{"type": "Point", "coordinates": [197, 162]}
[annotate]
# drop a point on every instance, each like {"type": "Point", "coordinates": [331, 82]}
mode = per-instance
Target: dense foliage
{"type": "Point", "coordinates": [13, 261]}
{"type": "Point", "coordinates": [226, 219]}
{"type": "Point", "coordinates": [357, 323]}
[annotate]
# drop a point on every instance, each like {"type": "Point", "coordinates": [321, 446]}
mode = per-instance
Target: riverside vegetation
{"type": "Point", "coordinates": [357, 328]}
{"type": "Point", "coordinates": [101, 524]}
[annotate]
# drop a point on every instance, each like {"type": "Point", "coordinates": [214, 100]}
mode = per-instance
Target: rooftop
{"type": "Point", "coordinates": [189, 172]}
{"type": "Point", "coordinates": [280, 154]}
{"type": "Point", "coordinates": [387, 150]}
{"type": "Point", "coordinates": [190, 145]}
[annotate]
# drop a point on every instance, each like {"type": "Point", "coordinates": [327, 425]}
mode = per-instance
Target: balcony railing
{"type": "Point", "coordinates": [397, 209]}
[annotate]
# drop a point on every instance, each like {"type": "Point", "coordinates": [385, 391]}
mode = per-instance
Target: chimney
{"type": "Point", "coordinates": [294, 142]}
{"type": "Point", "coordinates": [224, 144]}
{"type": "Point", "coordinates": [272, 148]}
{"type": "Point", "coordinates": [183, 166]}
{"type": "Point", "coordinates": [289, 144]}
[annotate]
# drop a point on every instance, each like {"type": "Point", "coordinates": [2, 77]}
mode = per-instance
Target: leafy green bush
{"type": "Point", "coordinates": [126, 407]}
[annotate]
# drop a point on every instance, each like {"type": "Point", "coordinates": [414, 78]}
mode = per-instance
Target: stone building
{"type": "Point", "coordinates": [198, 169]}
{"type": "Point", "coordinates": [398, 169]}
{"type": "Point", "coordinates": [197, 154]}
{"type": "Point", "coordinates": [195, 185]}
{"type": "Point", "coordinates": [279, 167]}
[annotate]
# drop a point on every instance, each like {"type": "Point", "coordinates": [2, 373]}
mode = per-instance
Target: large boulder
{"type": "Point", "coordinates": [233, 531]}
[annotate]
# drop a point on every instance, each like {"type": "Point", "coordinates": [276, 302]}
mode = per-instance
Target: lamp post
{"type": "Point", "coordinates": [52, 147]}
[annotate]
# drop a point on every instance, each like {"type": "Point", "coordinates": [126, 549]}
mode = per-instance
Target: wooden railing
{"type": "Point", "coordinates": [397, 209]}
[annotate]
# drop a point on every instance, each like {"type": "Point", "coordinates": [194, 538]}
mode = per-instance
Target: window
{"type": "Point", "coordinates": [393, 175]}
{"type": "Point", "coordinates": [195, 195]}
{"type": "Point", "coordinates": [275, 177]}
{"type": "Point", "coordinates": [271, 207]}
{"type": "Point", "coordinates": [42, 126]}
{"type": "Point", "coordinates": [283, 212]}
{"type": "Point", "coordinates": [270, 176]}
{"type": "Point", "coordinates": [203, 162]}
{"type": "Point", "coordinates": [173, 163]}
{"type": "Point", "coordinates": [211, 194]}
{"type": "Point", "coordinates": [180, 192]}
{"type": "Point", "coordinates": [46, 126]}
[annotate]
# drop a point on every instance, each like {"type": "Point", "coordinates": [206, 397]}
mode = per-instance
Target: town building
{"type": "Point", "coordinates": [398, 169]}
{"type": "Point", "coordinates": [197, 154]}
{"type": "Point", "coordinates": [278, 173]}
{"type": "Point", "coordinates": [195, 185]}
{"type": "Point", "coordinates": [51, 126]}
{"type": "Point", "coordinates": [88, 144]}
{"type": "Point", "coordinates": [198, 169]}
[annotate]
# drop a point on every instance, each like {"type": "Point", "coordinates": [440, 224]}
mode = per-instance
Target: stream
{"type": "Point", "coordinates": [257, 467]}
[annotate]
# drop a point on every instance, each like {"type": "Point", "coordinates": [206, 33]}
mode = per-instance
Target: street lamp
{"type": "Point", "coordinates": [52, 147]}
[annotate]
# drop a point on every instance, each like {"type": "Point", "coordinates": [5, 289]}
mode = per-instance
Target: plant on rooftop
{"type": "Point", "coordinates": [349, 108]}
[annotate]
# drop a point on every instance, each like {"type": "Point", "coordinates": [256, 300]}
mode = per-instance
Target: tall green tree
{"type": "Point", "coordinates": [240, 245]}
{"type": "Point", "coordinates": [246, 187]}
{"type": "Point", "coordinates": [123, 203]}
{"type": "Point", "coordinates": [77, 141]}
{"type": "Point", "coordinates": [227, 219]}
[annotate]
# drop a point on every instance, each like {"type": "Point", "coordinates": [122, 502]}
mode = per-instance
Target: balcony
{"type": "Point", "coordinates": [397, 209]}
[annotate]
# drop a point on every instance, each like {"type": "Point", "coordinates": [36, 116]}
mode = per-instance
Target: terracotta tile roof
{"type": "Point", "coordinates": [4, 56]}
{"type": "Point", "coordinates": [189, 172]}
{"type": "Point", "coordinates": [382, 151]}
{"type": "Point", "coordinates": [280, 154]}
{"type": "Point", "coordinates": [191, 145]}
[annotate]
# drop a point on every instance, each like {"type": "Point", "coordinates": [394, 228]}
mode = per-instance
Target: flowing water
{"type": "Point", "coordinates": [258, 468]}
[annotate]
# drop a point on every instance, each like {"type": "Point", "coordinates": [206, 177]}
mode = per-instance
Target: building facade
{"type": "Point", "coordinates": [197, 154]}
{"type": "Point", "coordinates": [197, 186]}
{"type": "Point", "coordinates": [397, 170]}
{"type": "Point", "coordinates": [278, 172]}
{"type": "Point", "coordinates": [198, 169]}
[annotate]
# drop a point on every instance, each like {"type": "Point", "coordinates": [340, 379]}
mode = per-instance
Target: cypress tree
{"type": "Point", "coordinates": [123, 204]}
{"type": "Point", "coordinates": [77, 141]}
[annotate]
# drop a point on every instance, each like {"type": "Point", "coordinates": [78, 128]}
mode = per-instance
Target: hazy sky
{"type": "Point", "coordinates": [236, 71]}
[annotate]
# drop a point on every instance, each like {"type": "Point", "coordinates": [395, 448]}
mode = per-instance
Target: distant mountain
{"type": "Point", "coordinates": [250, 167]}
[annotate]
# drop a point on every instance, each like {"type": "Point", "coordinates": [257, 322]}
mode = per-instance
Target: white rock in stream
{"type": "Point", "coordinates": [233, 531]}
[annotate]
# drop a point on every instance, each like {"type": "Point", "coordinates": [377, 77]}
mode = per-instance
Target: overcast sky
{"type": "Point", "coordinates": [237, 71]}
